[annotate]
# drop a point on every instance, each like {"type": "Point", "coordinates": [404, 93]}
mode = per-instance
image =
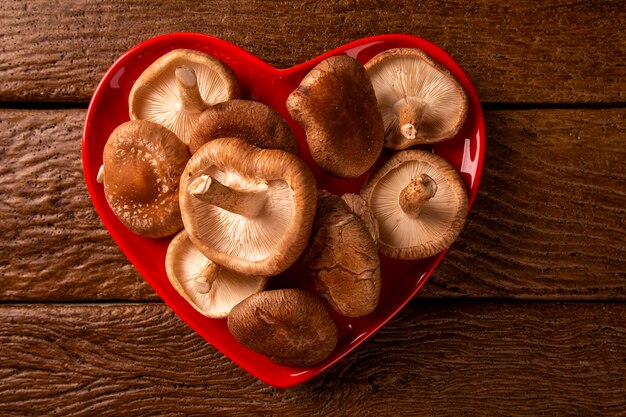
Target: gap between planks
{"type": "Point", "coordinates": [486, 106]}
{"type": "Point", "coordinates": [414, 302]}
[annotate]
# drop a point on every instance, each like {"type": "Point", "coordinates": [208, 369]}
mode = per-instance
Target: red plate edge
{"type": "Point", "coordinates": [298, 375]}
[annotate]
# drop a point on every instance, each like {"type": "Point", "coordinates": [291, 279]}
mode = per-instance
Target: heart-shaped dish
{"type": "Point", "coordinates": [401, 280]}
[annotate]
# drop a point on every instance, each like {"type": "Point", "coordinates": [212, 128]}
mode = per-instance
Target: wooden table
{"type": "Point", "coordinates": [525, 316]}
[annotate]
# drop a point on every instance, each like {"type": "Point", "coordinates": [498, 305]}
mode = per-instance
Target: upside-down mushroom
{"type": "Point", "coordinates": [210, 289]}
{"type": "Point", "coordinates": [175, 89]}
{"type": "Point", "coordinates": [419, 99]}
{"type": "Point", "coordinates": [246, 208]}
{"type": "Point", "coordinates": [420, 203]}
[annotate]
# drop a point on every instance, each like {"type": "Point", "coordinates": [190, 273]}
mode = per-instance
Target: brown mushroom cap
{"type": "Point", "coordinates": [419, 99]}
{"type": "Point", "coordinates": [336, 105]}
{"type": "Point", "coordinates": [210, 289]}
{"type": "Point", "coordinates": [420, 203]}
{"type": "Point", "coordinates": [291, 327]}
{"type": "Point", "coordinates": [252, 121]}
{"type": "Point", "coordinates": [342, 259]}
{"type": "Point", "coordinates": [246, 208]}
{"type": "Point", "coordinates": [142, 165]}
{"type": "Point", "coordinates": [175, 89]}
{"type": "Point", "coordinates": [358, 206]}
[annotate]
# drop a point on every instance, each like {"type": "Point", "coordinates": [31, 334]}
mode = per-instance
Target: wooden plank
{"type": "Point", "coordinates": [560, 51]}
{"type": "Point", "coordinates": [468, 358]}
{"type": "Point", "coordinates": [548, 222]}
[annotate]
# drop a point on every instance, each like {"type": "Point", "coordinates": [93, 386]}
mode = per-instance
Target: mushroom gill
{"type": "Point", "coordinates": [253, 236]}
{"type": "Point", "coordinates": [178, 86]}
{"type": "Point", "coordinates": [246, 208]}
{"type": "Point", "coordinates": [420, 203]}
{"type": "Point", "coordinates": [210, 289]}
{"type": "Point", "coordinates": [420, 100]}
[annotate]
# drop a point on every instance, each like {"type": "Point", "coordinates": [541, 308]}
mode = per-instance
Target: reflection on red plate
{"type": "Point", "coordinates": [260, 81]}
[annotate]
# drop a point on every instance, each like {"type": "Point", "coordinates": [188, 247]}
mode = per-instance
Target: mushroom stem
{"type": "Point", "coordinates": [204, 281]}
{"type": "Point", "coordinates": [100, 176]}
{"type": "Point", "coordinates": [247, 203]}
{"type": "Point", "coordinates": [421, 189]}
{"type": "Point", "coordinates": [410, 112]}
{"type": "Point", "coordinates": [190, 98]}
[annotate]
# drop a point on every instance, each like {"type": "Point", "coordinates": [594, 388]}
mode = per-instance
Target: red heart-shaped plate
{"type": "Point", "coordinates": [401, 280]}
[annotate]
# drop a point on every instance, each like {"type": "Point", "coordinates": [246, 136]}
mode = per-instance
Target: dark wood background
{"type": "Point", "coordinates": [525, 316]}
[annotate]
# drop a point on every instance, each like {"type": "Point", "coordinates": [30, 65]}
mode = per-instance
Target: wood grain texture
{"type": "Point", "coordinates": [550, 214]}
{"type": "Point", "coordinates": [468, 358]}
{"type": "Point", "coordinates": [560, 51]}
{"type": "Point", "coordinates": [53, 246]}
{"type": "Point", "coordinates": [548, 222]}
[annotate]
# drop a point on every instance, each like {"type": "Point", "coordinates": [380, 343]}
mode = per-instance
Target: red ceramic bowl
{"type": "Point", "coordinates": [401, 280]}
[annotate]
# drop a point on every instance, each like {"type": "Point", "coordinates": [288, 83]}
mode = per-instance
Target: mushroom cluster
{"type": "Point", "coordinates": [225, 170]}
{"type": "Point", "coordinates": [414, 204]}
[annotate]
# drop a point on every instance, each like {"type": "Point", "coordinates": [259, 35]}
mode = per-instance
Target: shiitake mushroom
{"type": "Point", "coordinates": [175, 89]}
{"type": "Point", "coordinates": [342, 261]}
{"type": "Point", "coordinates": [252, 121]}
{"type": "Point", "coordinates": [142, 164]}
{"type": "Point", "coordinates": [336, 105]}
{"type": "Point", "coordinates": [246, 208]}
{"type": "Point", "coordinates": [420, 203]}
{"type": "Point", "coordinates": [289, 326]}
